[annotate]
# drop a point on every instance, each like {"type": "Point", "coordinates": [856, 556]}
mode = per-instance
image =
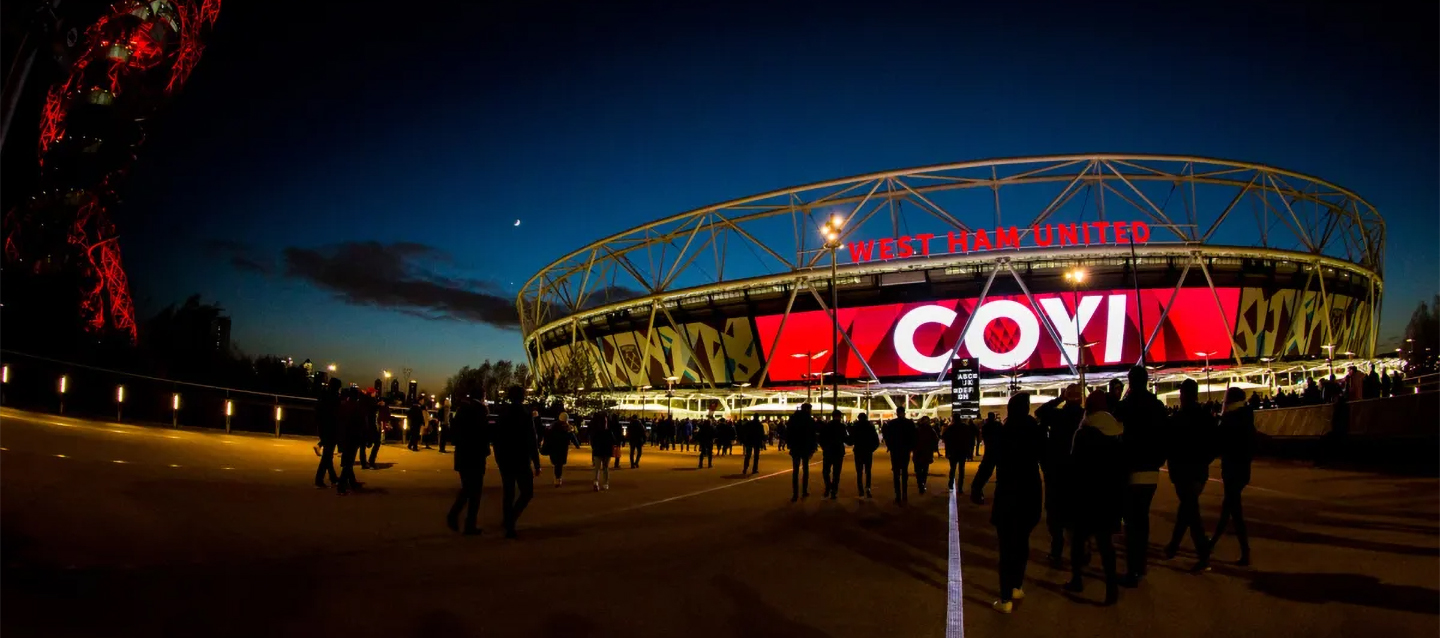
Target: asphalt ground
{"type": "Point", "coordinates": [124, 530]}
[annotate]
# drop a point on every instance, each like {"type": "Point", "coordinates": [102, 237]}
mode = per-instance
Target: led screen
{"type": "Point", "coordinates": [1007, 333]}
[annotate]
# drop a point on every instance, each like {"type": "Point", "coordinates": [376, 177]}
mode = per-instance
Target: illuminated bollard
{"type": "Point", "coordinates": [175, 410]}
{"type": "Point", "coordinates": [64, 382]}
{"type": "Point", "coordinates": [279, 414]}
{"type": "Point", "coordinates": [229, 411]}
{"type": "Point", "coordinates": [119, 401]}
{"type": "Point", "coordinates": [4, 382]}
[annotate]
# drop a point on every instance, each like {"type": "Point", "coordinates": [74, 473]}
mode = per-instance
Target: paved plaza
{"type": "Point", "coordinates": [123, 530]}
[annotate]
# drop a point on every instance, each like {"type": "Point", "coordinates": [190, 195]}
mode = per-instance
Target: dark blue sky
{"type": "Point", "coordinates": [307, 128]}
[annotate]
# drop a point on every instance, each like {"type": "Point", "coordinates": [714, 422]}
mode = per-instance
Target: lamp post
{"type": "Point", "coordinates": [869, 385]}
{"type": "Point", "coordinates": [1080, 349]}
{"type": "Point", "coordinates": [1330, 357]}
{"type": "Point", "coordinates": [809, 373]}
{"type": "Point", "coordinates": [1207, 356]}
{"type": "Point", "coordinates": [670, 397]}
{"type": "Point", "coordinates": [831, 232]}
{"type": "Point", "coordinates": [1076, 276]}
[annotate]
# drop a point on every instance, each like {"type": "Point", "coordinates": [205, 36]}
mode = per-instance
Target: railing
{"type": "Point", "coordinates": [72, 389]}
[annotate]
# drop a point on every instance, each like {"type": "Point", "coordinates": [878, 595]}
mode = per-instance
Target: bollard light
{"type": "Point", "coordinates": [175, 401]}
{"type": "Point", "coordinates": [64, 381]}
{"type": "Point", "coordinates": [229, 407]}
{"type": "Point", "coordinates": [279, 413]}
{"type": "Point", "coordinates": [119, 394]}
{"type": "Point", "coordinates": [5, 374]}
{"type": "Point", "coordinates": [175, 410]}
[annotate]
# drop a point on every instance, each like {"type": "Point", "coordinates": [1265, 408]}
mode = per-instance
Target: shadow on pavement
{"type": "Point", "coordinates": [1354, 589]}
{"type": "Point", "coordinates": [1292, 535]}
{"type": "Point", "coordinates": [753, 612]}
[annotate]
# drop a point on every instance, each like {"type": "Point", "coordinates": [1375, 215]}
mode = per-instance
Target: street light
{"type": "Point", "coordinates": [1330, 357]}
{"type": "Point", "coordinates": [831, 231]}
{"type": "Point", "coordinates": [1076, 276]}
{"type": "Point", "coordinates": [332, 367]}
{"type": "Point", "coordinates": [670, 397]}
{"type": "Point", "coordinates": [810, 358]}
{"type": "Point", "coordinates": [1207, 356]}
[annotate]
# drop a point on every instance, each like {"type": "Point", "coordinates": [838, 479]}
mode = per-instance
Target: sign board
{"type": "Point", "coordinates": [965, 388]}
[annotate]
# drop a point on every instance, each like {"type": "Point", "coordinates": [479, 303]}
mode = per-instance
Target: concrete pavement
{"type": "Point", "coordinates": [115, 529]}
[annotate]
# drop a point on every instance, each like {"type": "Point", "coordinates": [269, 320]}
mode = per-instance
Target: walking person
{"type": "Point", "coordinates": [1099, 478]}
{"type": "Point", "coordinates": [802, 440]}
{"type": "Point", "coordinates": [866, 440]}
{"type": "Point", "coordinates": [443, 426]}
{"type": "Point", "coordinates": [327, 420]}
{"type": "Point", "coordinates": [349, 436]}
{"type": "Point", "coordinates": [1016, 511]}
{"type": "Point", "coordinates": [705, 442]}
{"type": "Point", "coordinates": [1060, 418]}
{"type": "Point", "coordinates": [899, 434]}
{"type": "Point", "coordinates": [927, 442]}
{"type": "Point", "coordinates": [636, 435]}
{"type": "Point", "coordinates": [832, 439]}
{"type": "Point", "coordinates": [471, 439]}
{"type": "Point", "coordinates": [515, 454]}
{"type": "Point", "coordinates": [1236, 437]}
{"type": "Point", "coordinates": [556, 445]}
{"type": "Point", "coordinates": [382, 421]}
{"type": "Point", "coordinates": [780, 434]}
{"type": "Point", "coordinates": [617, 434]}
{"type": "Point", "coordinates": [990, 432]}
{"type": "Point", "coordinates": [752, 437]}
{"type": "Point", "coordinates": [602, 447]}
{"type": "Point", "coordinates": [1190, 449]}
{"type": "Point", "coordinates": [959, 440]}
{"type": "Point", "coordinates": [1142, 415]}
{"type": "Point", "coordinates": [414, 422]}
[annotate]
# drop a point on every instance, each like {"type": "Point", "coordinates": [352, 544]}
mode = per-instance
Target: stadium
{"type": "Point", "coordinates": [868, 291]}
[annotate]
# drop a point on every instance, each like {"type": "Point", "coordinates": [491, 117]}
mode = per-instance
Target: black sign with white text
{"type": "Point", "coordinates": [965, 388]}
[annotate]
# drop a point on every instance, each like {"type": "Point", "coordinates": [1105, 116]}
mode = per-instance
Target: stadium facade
{"type": "Point", "coordinates": [1191, 266]}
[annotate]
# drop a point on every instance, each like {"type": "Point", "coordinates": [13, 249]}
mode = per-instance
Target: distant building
{"type": "Point", "coordinates": [220, 333]}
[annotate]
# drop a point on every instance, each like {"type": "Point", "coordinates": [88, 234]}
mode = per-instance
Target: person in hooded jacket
{"type": "Point", "coordinates": [1143, 416]}
{"type": "Point", "coordinates": [470, 435]}
{"type": "Point", "coordinates": [959, 439]}
{"type": "Point", "coordinates": [1016, 509]}
{"type": "Point", "coordinates": [1236, 437]}
{"type": "Point", "coordinates": [556, 445]}
{"type": "Point", "coordinates": [801, 438]}
{"type": "Point", "coordinates": [900, 434]}
{"type": "Point", "coordinates": [1060, 418]}
{"type": "Point", "coordinates": [927, 442]}
{"type": "Point", "coordinates": [866, 440]}
{"type": "Point", "coordinates": [832, 439]}
{"type": "Point", "coordinates": [1098, 462]}
{"type": "Point", "coordinates": [1190, 449]}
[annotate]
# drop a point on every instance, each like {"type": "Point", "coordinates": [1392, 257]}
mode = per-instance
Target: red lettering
{"type": "Point", "coordinates": [1086, 228]}
{"type": "Point", "coordinates": [981, 237]}
{"type": "Point", "coordinates": [1067, 235]}
{"type": "Point", "coordinates": [906, 249]}
{"type": "Point", "coordinates": [925, 242]}
{"type": "Point", "coordinates": [963, 242]}
{"type": "Point", "coordinates": [887, 248]}
{"type": "Point", "coordinates": [1122, 232]}
{"type": "Point", "coordinates": [1007, 237]}
{"type": "Point", "coordinates": [861, 251]}
{"type": "Point", "coordinates": [1048, 239]}
{"type": "Point", "coordinates": [1101, 226]}
{"type": "Point", "coordinates": [1141, 231]}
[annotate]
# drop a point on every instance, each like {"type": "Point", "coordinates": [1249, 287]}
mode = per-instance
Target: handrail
{"type": "Point", "coordinates": [162, 379]}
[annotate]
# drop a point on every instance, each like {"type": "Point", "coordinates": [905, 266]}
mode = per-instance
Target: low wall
{"type": "Point", "coordinates": [1306, 421]}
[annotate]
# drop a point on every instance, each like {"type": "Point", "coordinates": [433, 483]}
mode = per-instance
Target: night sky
{"type": "Point", "coordinates": [321, 155]}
